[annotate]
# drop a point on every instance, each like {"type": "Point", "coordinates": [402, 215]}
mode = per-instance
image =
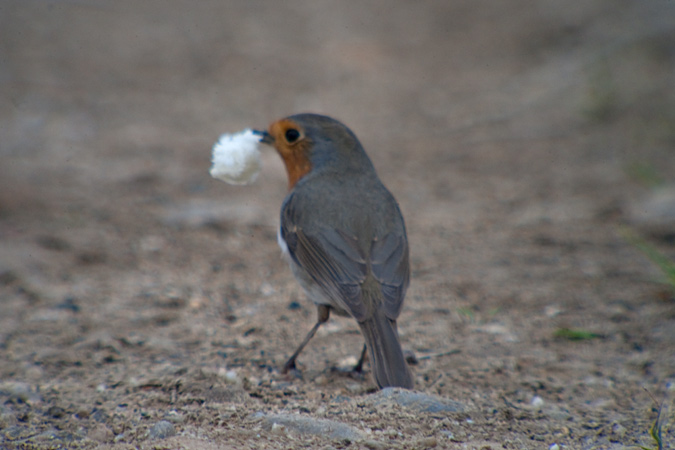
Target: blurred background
{"type": "Point", "coordinates": [519, 138]}
{"type": "Point", "coordinates": [95, 93]}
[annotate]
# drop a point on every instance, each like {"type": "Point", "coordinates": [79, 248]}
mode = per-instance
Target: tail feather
{"type": "Point", "coordinates": [384, 349]}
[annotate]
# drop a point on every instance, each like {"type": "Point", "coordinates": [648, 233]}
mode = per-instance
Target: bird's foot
{"type": "Point", "coordinates": [353, 372]}
{"type": "Point", "coordinates": [291, 370]}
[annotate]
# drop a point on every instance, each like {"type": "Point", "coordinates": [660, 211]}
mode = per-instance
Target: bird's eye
{"type": "Point", "coordinates": [292, 135]}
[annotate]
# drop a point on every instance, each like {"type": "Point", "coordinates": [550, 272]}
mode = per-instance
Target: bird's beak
{"type": "Point", "coordinates": [265, 137]}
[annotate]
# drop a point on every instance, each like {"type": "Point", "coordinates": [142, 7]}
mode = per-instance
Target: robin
{"type": "Point", "coordinates": [344, 237]}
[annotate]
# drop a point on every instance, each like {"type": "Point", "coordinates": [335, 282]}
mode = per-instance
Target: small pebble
{"type": "Point", "coordinates": [174, 416]}
{"type": "Point", "coordinates": [278, 429]}
{"type": "Point", "coordinates": [18, 390]}
{"type": "Point", "coordinates": [101, 433]}
{"type": "Point", "coordinates": [229, 375]}
{"type": "Point", "coordinates": [416, 401]}
{"type": "Point", "coordinates": [448, 434]}
{"type": "Point", "coordinates": [266, 289]}
{"type": "Point", "coordinates": [347, 363]}
{"type": "Point", "coordinates": [537, 401]}
{"type": "Point", "coordinates": [161, 430]}
{"type": "Point", "coordinates": [373, 445]}
{"type": "Point", "coordinates": [429, 442]}
{"type": "Point", "coordinates": [312, 426]}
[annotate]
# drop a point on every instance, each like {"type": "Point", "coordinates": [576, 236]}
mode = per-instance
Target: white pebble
{"type": "Point", "coordinates": [236, 157]}
{"type": "Point", "coordinates": [278, 428]}
{"type": "Point", "coordinates": [231, 375]}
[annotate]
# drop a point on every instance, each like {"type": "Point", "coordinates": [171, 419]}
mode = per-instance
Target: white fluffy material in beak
{"type": "Point", "coordinates": [236, 157]}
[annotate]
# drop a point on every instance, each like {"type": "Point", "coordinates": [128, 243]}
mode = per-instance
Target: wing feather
{"type": "Point", "coordinates": [336, 262]}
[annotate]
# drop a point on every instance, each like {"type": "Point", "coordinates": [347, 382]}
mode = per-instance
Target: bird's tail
{"type": "Point", "coordinates": [384, 349]}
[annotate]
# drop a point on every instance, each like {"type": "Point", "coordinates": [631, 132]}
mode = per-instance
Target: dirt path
{"type": "Point", "coordinates": [145, 305]}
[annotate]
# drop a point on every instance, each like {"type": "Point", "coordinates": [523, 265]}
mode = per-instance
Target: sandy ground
{"type": "Point", "coordinates": [145, 305]}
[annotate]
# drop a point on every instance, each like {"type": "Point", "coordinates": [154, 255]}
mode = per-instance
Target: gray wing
{"type": "Point", "coordinates": [335, 261]}
{"type": "Point", "coordinates": [390, 265]}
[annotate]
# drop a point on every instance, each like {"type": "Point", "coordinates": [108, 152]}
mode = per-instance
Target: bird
{"type": "Point", "coordinates": [344, 236]}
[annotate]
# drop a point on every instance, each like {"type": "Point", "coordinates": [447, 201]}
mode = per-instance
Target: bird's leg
{"type": "Point", "coordinates": [322, 317]}
{"type": "Point", "coordinates": [358, 368]}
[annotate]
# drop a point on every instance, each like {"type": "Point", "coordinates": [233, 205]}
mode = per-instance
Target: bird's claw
{"type": "Point", "coordinates": [290, 369]}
